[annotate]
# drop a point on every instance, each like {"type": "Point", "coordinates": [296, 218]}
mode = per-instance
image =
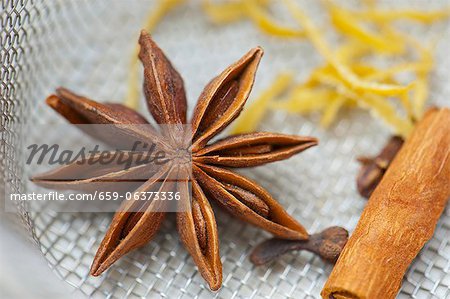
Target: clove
{"type": "Point", "coordinates": [327, 244]}
{"type": "Point", "coordinates": [373, 168]}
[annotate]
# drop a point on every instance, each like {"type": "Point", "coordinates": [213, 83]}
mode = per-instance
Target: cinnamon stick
{"type": "Point", "coordinates": [400, 216]}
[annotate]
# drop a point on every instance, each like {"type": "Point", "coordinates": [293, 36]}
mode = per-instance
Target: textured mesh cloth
{"type": "Point", "coordinates": [86, 46]}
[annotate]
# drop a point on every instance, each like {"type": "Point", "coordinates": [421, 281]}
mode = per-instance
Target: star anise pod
{"type": "Point", "coordinates": [211, 178]}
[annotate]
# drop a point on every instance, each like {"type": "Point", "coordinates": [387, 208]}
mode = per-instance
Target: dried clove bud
{"type": "Point", "coordinates": [373, 168]}
{"type": "Point", "coordinates": [327, 244]}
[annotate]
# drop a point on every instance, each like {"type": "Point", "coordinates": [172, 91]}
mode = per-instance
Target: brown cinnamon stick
{"type": "Point", "coordinates": [400, 216]}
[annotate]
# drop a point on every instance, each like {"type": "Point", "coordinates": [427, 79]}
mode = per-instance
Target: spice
{"type": "Point", "coordinates": [328, 244]}
{"type": "Point", "coordinates": [161, 9]}
{"type": "Point", "coordinates": [400, 216]}
{"type": "Point", "coordinates": [346, 74]}
{"type": "Point", "coordinates": [348, 79]}
{"type": "Point", "coordinates": [255, 10]}
{"type": "Point", "coordinates": [391, 15]}
{"type": "Point", "coordinates": [250, 118]}
{"type": "Point", "coordinates": [373, 168]}
{"type": "Point", "coordinates": [219, 104]}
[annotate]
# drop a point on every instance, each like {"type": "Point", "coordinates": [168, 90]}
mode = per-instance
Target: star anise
{"type": "Point", "coordinates": [373, 168]}
{"type": "Point", "coordinates": [210, 177]}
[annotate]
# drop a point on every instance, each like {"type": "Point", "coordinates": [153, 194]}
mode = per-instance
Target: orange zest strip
{"type": "Point", "coordinates": [346, 74]}
{"type": "Point", "coordinates": [250, 118]}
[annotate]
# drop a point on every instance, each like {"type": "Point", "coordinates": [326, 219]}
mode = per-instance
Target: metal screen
{"type": "Point", "coordinates": [86, 46]}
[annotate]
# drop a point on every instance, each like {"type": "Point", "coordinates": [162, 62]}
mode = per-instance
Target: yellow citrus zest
{"type": "Point", "coordinates": [255, 10]}
{"type": "Point", "coordinates": [346, 74]}
{"type": "Point", "coordinates": [330, 113]}
{"type": "Point", "coordinates": [349, 26]}
{"type": "Point", "coordinates": [252, 116]}
{"type": "Point", "coordinates": [224, 12]}
{"type": "Point", "coordinates": [409, 14]}
{"type": "Point", "coordinates": [265, 23]}
{"type": "Point", "coordinates": [346, 80]}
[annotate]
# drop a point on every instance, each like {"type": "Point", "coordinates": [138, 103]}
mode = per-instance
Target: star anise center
{"type": "Point", "coordinates": [181, 156]}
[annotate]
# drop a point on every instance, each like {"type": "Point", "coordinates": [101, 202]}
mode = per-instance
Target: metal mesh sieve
{"type": "Point", "coordinates": [86, 46]}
